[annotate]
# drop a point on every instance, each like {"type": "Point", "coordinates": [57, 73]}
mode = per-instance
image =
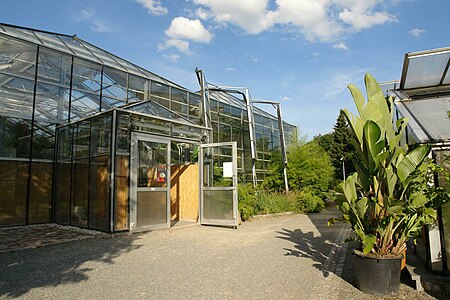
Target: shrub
{"type": "Point", "coordinates": [246, 201]}
{"type": "Point", "coordinates": [307, 202]}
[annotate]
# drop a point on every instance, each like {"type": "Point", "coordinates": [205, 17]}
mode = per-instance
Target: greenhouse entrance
{"type": "Point", "coordinates": [132, 168]}
{"type": "Point", "coordinates": [150, 183]}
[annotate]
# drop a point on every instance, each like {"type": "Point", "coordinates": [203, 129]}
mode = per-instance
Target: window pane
{"type": "Point", "coordinates": [82, 135]}
{"type": "Point", "coordinates": [43, 140]}
{"type": "Point", "coordinates": [52, 103]}
{"type": "Point", "coordinates": [14, 137]}
{"type": "Point", "coordinates": [83, 105]}
{"type": "Point", "coordinates": [179, 95]}
{"type": "Point", "coordinates": [54, 67]}
{"type": "Point", "coordinates": [62, 192]}
{"type": "Point", "coordinates": [86, 76]}
{"type": "Point", "coordinates": [101, 134]}
{"type": "Point", "coordinates": [16, 97]}
{"type": "Point", "coordinates": [114, 84]}
{"type": "Point", "coordinates": [122, 188]}
{"type": "Point", "coordinates": [17, 57]}
{"type": "Point", "coordinates": [160, 90]}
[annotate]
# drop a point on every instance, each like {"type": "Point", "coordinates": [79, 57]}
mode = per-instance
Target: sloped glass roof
{"type": "Point", "coordinates": [154, 109]}
{"type": "Point", "coordinates": [428, 118]}
{"type": "Point", "coordinates": [73, 45]}
{"type": "Point", "coordinates": [426, 69]}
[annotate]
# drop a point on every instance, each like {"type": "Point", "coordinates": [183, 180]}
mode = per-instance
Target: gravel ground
{"type": "Point", "coordinates": [285, 257]}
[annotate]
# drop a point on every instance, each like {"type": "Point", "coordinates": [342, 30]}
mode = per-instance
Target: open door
{"type": "Point", "coordinates": [218, 184]}
{"type": "Point", "coordinates": [150, 183]}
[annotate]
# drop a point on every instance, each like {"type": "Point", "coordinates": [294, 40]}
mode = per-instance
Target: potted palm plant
{"type": "Point", "coordinates": [385, 200]}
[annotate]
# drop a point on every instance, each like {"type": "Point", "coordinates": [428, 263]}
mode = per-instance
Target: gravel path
{"type": "Point", "coordinates": [287, 257]}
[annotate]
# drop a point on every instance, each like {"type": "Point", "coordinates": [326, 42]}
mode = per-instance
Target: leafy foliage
{"type": "Point", "coordinates": [252, 202]}
{"type": "Point", "coordinates": [386, 200]}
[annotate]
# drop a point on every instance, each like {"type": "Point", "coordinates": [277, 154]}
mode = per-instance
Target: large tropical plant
{"type": "Point", "coordinates": [384, 200]}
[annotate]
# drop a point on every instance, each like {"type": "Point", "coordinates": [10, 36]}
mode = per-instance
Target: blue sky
{"type": "Point", "coordinates": [302, 53]}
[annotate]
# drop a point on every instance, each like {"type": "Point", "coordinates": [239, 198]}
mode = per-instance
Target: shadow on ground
{"type": "Point", "coordinates": [22, 271]}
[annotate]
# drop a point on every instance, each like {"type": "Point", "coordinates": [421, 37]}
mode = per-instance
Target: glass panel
{"type": "Point", "coordinates": [52, 103]}
{"type": "Point", "coordinates": [162, 101]}
{"type": "Point", "coordinates": [14, 137]}
{"type": "Point", "coordinates": [17, 57]}
{"type": "Point", "coordinates": [186, 131]}
{"type": "Point", "coordinates": [62, 194]}
{"type": "Point", "coordinates": [225, 133]}
{"type": "Point", "coordinates": [195, 107]}
{"type": "Point", "coordinates": [151, 208]}
{"type": "Point", "coordinates": [160, 90]}
{"type": "Point", "coordinates": [41, 192]}
{"type": "Point", "coordinates": [152, 169]}
{"type": "Point", "coordinates": [83, 105]}
{"type": "Point", "coordinates": [179, 95]}
{"type": "Point", "coordinates": [138, 89]}
{"type": "Point", "coordinates": [218, 205]}
{"type": "Point", "coordinates": [114, 84]}
{"type": "Point", "coordinates": [86, 76]}
{"type": "Point", "coordinates": [216, 161]}
{"type": "Point", "coordinates": [80, 188]}
{"type": "Point", "coordinates": [13, 191]}
{"type": "Point", "coordinates": [179, 108]}
{"type": "Point", "coordinates": [16, 97]}
{"type": "Point", "coordinates": [54, 67]}
{"type": "Point", "coordinates": [43, 140]}
{"type": "Point", "coordinates": [143, 124]}
{"type": "Point", "coordinates": [108, 103]}
{"type": "Point", "coordinates": [122, 192]}
{"type": "Point", "coordinates": [426, 70]}
{"type": "Point", "coordinates": [123, 133]}
{"type": "Point", "coordinates": [101, 134]}
{"type": "Point", "coordinates": [81, 140]}
{"type": "Point", "coordinates": [64, 150]}
{"type": "Point", "coordinates": [99, 193]}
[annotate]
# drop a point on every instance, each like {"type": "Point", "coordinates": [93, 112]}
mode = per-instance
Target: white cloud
{"type": "Point", "coordinates": [154, 7]}
{"type": "Point", "coordinates": [285, 98]}
{"type": "Point", "coordinates": [316, 20]}
{"type": "Point", "coordinates": [230, 69]}
{"type": "Point", "coordinates": [183, 28]}
{"type": "Point", "coordinates": [87, 15]}
{"type": "Point", "coordinates": [416, 32]}
{"type": "Point", "coordinates": [254, 60]}
{"type": "Point", "coordinates": [202, 13]}
{"type": "Point", "coordinates": [182, 46]}
{"type": "Point", "coordinates": [341, 45]}
{"type": "Point", "coordinates": [171, 57]}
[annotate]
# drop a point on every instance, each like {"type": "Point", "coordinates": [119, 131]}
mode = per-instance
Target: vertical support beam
{"type": "Point", "coordinates": [251, 130]}
{"type": "Point", "coordinates": [283, 145]}
{"type": "Point", "coordinates": [30, 160]}
{"type": "Point", "coordinates": [112, 186]}
{"type": "Point", "coordinates": [205, 101]}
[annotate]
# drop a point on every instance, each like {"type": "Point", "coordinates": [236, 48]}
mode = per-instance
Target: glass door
{"type": "Point", "coordinates": [218, 184]}
{"type": "Point", "coordinates": [150, 183]}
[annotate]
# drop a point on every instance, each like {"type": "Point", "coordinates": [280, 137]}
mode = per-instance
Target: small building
{"type": "Point", "coordinates": [423, 95]}
{"type": "Point", "coordinates": [92, 140]}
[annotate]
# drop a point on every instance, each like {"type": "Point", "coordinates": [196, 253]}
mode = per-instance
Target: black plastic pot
{"type": "Point", "coordinates": [378, 276]}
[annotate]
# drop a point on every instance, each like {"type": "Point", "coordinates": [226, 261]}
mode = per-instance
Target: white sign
{"type": "Point", "coordinates": [228, 169]}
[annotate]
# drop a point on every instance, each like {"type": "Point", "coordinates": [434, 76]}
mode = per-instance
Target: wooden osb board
{"type": "Point", "coordinates": [184, 192]}
{"type": "Point", "coordinates": [122, 193]}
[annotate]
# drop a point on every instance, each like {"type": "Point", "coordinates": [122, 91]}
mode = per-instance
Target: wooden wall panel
{"type": "Point", "coordinates": [184, 192]}
{"type": "Point", "coordinates": [122, 192]}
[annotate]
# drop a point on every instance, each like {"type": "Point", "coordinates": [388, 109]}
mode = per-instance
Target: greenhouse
{"type": "Point", "coordinates": [423, 95]}
{"type": "Point", "coordinates": [89, 139]}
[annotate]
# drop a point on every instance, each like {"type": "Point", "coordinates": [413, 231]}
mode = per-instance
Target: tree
{"type": "Point", "coordinates": [342, 150]}
{"type": "Point", "coordinates": [309, 166]}
{"type": "Point", "coordinates": [325, 141]}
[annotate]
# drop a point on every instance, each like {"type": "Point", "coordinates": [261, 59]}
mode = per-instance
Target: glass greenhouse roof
{"type": "Point", "coordinates": [73, 45]}
{"type": "Point", "coordinates": [153, 109]}
{"type": "Point", "coordinates": [428, 118]}
{"type": "Point", "coordinates": [426, 69]}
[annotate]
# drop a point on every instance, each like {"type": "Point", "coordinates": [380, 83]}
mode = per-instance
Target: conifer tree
{"type": "Point", "coordinates": [342, 149]}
